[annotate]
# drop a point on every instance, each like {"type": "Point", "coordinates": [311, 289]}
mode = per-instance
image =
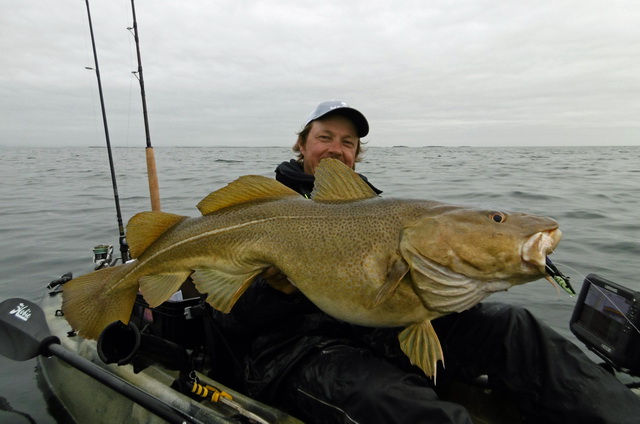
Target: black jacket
{"type": "Point", "coordinates": [292, 175]}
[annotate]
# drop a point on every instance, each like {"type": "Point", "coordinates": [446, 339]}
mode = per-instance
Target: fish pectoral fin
{"type": "Point", "coordinates": [223, 289]}
{"type": "Point", "coordinates": [396, 272]}
{"type": "Point", "coordinates": [336, 182]}
{"type": "Point", "coordinates": [420, 343]}
{"type": "Point", "coordinates": [144, 228]}
{"type": "Point", "coordinates": [248, 188]}
{"type": "Point", "coordinates": [158, 288]}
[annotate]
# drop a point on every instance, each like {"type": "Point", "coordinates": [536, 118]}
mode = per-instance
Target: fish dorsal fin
{"type": "Point", "coordinates": [245, 189]}
{"type": "Point", "coordinates": [145, 228]}
{"type": "Point", "coordinates": [336, 182]}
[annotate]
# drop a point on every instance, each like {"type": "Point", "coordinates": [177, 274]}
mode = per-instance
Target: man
{"type": "Point", "coordinates": [322, 370]}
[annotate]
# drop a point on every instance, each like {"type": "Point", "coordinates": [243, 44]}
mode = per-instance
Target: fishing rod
{"type": "Point", "coordinates": [152, 173]}
{"type": "Point", "coordinates": [124, 248]}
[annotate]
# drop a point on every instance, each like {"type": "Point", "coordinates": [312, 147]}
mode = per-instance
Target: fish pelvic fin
{"type": "Point", "coordinates": [336, 182]}
{"type": "Point", "coordinates": [89, 308]}
{"type": "Point", "coordinates": [223, 288]}
{"type": "Point", "coordinates": [248, 188]}
{"type": "Point", "coordinates": [398, 268]}
{"type": "Point", "coordinates": [146, 227]}
{"type": "Point", "coordinates": [420, 343]}
{"type": "Point", "coordinates": [158, 288]}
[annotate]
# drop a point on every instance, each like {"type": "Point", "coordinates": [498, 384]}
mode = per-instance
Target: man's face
{"type": "Point", "coordinates": [332, 137]}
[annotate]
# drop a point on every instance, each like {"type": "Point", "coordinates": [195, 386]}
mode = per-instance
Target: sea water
{"type": "Point", "coordinates": [58, 203]}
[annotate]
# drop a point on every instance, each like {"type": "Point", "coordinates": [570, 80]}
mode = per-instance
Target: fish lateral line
{"type": "Point", "coordinates": [211, 233]}
{"type": "Point", "coordinates": [137, 263]}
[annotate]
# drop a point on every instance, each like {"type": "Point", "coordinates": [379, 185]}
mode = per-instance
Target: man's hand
{"type": "Point", "coordinates": [278, 281]}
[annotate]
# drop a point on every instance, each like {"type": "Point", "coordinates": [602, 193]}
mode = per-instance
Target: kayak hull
{"type": "Point", "coordinates": [86, 400]}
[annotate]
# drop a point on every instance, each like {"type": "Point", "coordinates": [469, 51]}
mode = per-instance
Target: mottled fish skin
{"type": "Point", "coordinates": [360, 258]}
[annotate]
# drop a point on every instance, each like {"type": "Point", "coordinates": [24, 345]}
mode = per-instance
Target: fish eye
{"type": "Point", "coordinates": [498, 217]}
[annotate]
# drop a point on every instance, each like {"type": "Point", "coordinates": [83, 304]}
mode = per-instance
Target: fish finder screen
{"type": "Point", "coordinates": [605, 313]}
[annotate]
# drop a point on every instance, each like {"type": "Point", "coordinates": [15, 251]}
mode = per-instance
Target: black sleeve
{"type": "Point", "coordinates": [261, 306]}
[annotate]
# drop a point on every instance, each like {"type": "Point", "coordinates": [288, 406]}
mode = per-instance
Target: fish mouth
{"type": "Point", "coordinates": [535, 251]}
{"type": "Point", "coordinates": [538, 246]}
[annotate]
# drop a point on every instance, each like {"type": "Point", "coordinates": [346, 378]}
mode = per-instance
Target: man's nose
{"type": "Point", "coordinates": [335, 148]}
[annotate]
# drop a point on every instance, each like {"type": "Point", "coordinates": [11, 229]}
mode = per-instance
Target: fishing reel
{"type": "Point", "coordinates": [102, 255]}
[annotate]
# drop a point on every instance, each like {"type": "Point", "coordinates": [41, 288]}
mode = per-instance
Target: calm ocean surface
{"type": "Point", "coordinates": [57, 203]}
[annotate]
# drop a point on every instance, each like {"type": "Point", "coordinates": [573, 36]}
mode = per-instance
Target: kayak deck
{"type": "Point", "coordinates": [86, 400]}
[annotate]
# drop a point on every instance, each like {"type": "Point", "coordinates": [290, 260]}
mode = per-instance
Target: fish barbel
{"type": "Point", "coordinates": [360, 258]}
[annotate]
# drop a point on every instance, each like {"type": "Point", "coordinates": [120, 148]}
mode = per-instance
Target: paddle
{"type": "Point", "coordinates": [25, 335]}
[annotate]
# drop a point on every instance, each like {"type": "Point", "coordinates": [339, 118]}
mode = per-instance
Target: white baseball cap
{"type": "Point", "coordinates": [341, 108]}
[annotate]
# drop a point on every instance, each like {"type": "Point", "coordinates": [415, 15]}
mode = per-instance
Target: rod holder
{"type": "Point", "coordinates": [124, 344]}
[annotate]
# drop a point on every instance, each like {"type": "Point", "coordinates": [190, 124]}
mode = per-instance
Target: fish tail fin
{"type": "Point", "coordinates": [420, 343]}
{"type": "Point", "coordinates": [89, 308]}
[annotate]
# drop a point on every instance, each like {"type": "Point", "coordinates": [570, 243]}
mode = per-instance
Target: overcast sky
{"type": "Point", "coordinates": [236, 72]}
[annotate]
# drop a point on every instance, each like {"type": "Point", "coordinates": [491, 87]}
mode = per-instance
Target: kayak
{"type": "Point", "coordinates": [86, 400]}
{"type": "Point", "coordinates": [81, 376]}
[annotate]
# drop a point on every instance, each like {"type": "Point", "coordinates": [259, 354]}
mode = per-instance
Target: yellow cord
{"type": "Point", "coordinates": [203, 391]}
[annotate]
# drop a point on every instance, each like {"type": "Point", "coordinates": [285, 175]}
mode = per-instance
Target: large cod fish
{"type": "Point", "coordinates": [360, 258]}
